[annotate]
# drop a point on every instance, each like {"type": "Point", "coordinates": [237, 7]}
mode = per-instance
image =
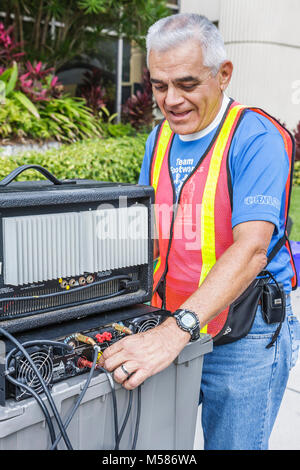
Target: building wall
{"type": "Point", "coordinates": [208, 8]}
{"type": "Point", "coordinates": [263, 41]}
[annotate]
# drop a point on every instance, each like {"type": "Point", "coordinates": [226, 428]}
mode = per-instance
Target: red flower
{"type": "Point", "coordinates": [8, 46]}
{"type": "Point", "coordinates": [35, 84]}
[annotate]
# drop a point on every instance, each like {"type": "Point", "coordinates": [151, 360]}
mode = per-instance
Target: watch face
{"type": "Point", "coordinates": [188, 320]}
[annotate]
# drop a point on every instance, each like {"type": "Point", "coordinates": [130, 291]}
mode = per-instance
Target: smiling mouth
{"type": "Point", "coordinates": [177, 115]}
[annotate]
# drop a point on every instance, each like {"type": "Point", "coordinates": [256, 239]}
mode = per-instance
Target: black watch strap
{"type": "Point", "coordinates": [188, 321]}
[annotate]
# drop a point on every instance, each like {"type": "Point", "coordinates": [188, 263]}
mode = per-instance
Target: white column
{"type": "Point", "coordinates": [263, 41]}
{"type": "Point", "coordinates": [119, 79]}
{"type": "Point", "coordinates": [208, 8]}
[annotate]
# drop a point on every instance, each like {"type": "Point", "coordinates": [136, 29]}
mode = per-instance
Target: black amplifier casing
{"type": "Point", "coordinates": [138, 318]}
{"type": "Point", "coordinates": [43, 197]}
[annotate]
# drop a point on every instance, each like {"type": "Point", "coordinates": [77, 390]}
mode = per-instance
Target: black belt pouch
{"type": "Point", "coordinates": [273, 303]}
{"type": "Point", "coordinates": [241, 314]}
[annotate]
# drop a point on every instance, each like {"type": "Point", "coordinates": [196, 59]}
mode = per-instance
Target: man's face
{"type": "Point", "coordinates": [187, 93]}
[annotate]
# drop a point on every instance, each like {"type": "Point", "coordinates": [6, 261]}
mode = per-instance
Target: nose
{"type": "Point", "coordinates": [173, 96]}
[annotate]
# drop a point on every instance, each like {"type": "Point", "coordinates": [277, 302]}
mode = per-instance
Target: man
{"type": "Point", "coordinates": [223, 170]}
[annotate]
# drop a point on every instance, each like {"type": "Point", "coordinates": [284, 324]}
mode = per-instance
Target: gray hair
{"type": "Point", "coordinates": [175, 29]}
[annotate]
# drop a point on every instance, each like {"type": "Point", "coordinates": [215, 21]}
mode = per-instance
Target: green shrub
{"type": "Point", "coordinates": [296, 178]}
{"type": "Point", "coordinates": [117, 130]}
{"type": "Point", "coordinates": [62, 118]}
{"type": "Point", "coordinates": [115, 159]}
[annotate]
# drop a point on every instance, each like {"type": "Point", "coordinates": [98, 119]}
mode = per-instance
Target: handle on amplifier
{"type": "Point", "coordinates": [17, 171]}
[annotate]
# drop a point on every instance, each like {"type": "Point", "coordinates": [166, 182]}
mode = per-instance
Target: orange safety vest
{"type": "Point", "coordinates": [196, 231]}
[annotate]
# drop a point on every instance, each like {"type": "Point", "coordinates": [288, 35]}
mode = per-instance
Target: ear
{"type": "Point", "coordinates": [224, 74]}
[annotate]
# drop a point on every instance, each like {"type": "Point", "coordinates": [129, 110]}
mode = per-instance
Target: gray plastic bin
{"type": "Point", "coordinates": [169, 404]}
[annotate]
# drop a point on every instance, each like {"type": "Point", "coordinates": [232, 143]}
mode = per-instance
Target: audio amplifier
{"type": "Point", "coordinates": [71, 248]}
{"type": "Point", "coordinates": [56, 363]}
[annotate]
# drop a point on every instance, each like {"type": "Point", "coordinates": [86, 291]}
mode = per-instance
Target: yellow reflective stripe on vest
{"type": "Point", "coordinates": [157, 265]}
{"type": "Point", "coordinates": [208, 201]}
{"type": "Point", "coordinates": [163, 142]}
{"type": "Point", "coordinates": [162, 146]}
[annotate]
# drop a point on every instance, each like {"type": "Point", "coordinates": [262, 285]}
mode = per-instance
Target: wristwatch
{"type": "Point", "coordinates": [188, 321]}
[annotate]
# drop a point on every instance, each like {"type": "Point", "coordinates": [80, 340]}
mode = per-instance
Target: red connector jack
{"type": "Point", "coordinates": [102, 337]}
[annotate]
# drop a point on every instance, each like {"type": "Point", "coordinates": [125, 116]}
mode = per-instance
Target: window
{"type": "Point", "coordinates": [174, 5]}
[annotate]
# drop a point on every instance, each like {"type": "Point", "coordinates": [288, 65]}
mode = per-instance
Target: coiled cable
{"type": "Point", "coordinates": [113, 392]}
{"type": "Point", "coordinates": [74, 409]}
{"type": "Point", "coordinates": [39, 401]}
{"type": "Point", "coordinates": [126, 417]}
{"type": "Point", "coordinates": [138, 417]}
{"type": "Point", "coordinates": [63, 426]}
{"type": "Point", "coordinates": [5, 333]}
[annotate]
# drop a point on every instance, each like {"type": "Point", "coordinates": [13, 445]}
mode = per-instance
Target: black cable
{"type": "Point", "coordinates": [63, 427]}
{"type": "Point", "coordinates": [138, 417]}
{"type": "Point", "coordinates": [40, 402]}
{"type": "Point", "coordinates": [113, 392]}
{"type": "Point", "coordinates": [44, 386]}
{"type": "Point", "coordinates": [74, 409]}
{"type": "Point", "coordinates": [67, 346]}
{"type": "Point", "coordinates": [39, 342]}
{"type": "Point", "coordinates": [126, 417]}
{"type": "Point", "coordinates": [29, 389]}
{"type": "Point", "coordinates": [67, 292]}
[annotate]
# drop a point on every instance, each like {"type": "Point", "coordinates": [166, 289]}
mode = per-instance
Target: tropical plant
{"type": "Point", "coordinates": [296, 176]}
{"type": "Point", "coordinates": [8, 82]}
{"type": "Point", "coordinates": [92, 90]}
{"type": "Point", "coordinates": [64, 120]}
{"type": "Point", "coordinates": [57, 30]}
{"type": "Point", "coordinates": [70, 119]}
{"type": "Point", "coordinates": [33, 106]}
{"type": "Point", "coordinates": [40, 113]}
{"type": "Point", "coordinates": [8, 46]}
{"type": "Point", "coordinates": [138, 109]}
{"type": "Point", "coordinates": [297, 141]}
{"type": "Point", "coordinates": [296, 135]}
{"type": "Point", "coordinates": [38, 83]}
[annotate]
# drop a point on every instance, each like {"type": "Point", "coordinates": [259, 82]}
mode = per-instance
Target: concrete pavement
{"type": "Point", "coordinates": [286, 431]}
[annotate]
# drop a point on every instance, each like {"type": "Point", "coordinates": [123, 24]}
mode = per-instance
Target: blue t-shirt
{"type": "Point", "coordinates": [259, 169]}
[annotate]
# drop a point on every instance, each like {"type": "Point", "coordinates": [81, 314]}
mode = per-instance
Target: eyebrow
{"type": "Point", "coordinates": [188, 78]}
